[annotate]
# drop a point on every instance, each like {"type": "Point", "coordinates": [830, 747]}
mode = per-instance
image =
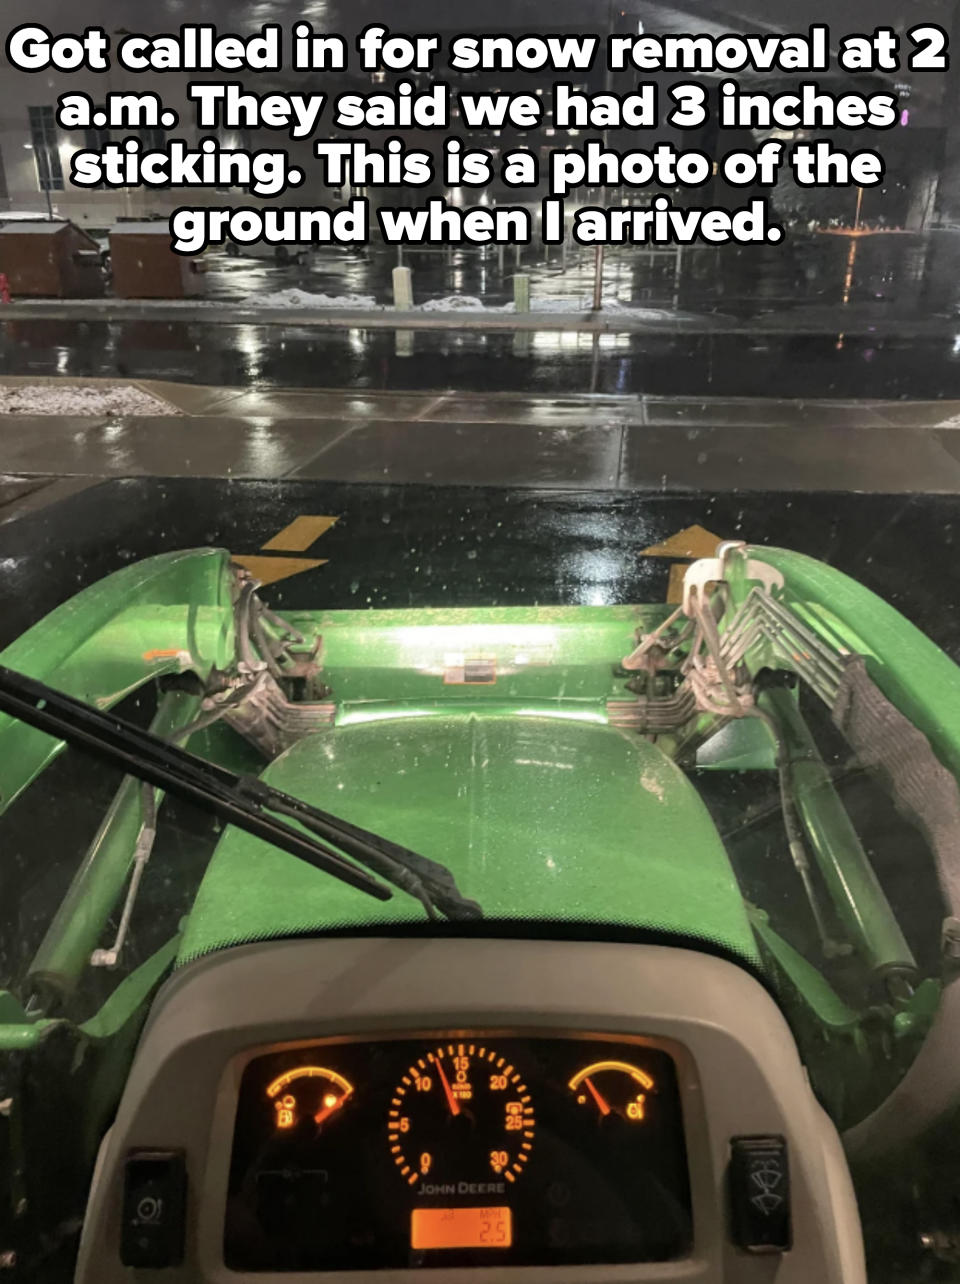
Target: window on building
{"type": "Point", "coordinates": [235, 140]}
{"type": "Point", "coordinates": [154, 140]}
{"type": "Point", "coordinates": [46, 148]}
{"type": "Point", "coordinates": [95, 140]}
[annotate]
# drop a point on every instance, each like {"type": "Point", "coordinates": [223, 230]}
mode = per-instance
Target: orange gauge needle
{"type": "Point", "coordinates": [327, 1111]}
{"type": "Point", "coordinates": [452, 1102]}
{"type": "Point", "coordinates": [601, 1101]}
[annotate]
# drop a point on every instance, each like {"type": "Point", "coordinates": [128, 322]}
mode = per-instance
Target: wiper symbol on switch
{"type": "Point", "coordinates": [767, 1176]}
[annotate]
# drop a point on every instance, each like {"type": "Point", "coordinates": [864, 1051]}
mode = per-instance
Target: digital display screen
{"type": "Point", "coordinates": [461, 1228]}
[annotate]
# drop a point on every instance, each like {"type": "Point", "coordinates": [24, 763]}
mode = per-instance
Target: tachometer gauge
{"type": "Point", "coordinates": [460, 1118]}
{"type": "Point", "coordinates": [305, 1093]}
{"type": "Point", "coordinates": [614, 1089]}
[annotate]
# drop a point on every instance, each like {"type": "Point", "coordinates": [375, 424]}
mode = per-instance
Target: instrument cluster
{"type": "Point", "coordinates": [457, 1149]}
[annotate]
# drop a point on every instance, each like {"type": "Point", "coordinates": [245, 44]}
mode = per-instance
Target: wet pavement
{"type": "Point", "coordinates": [906, 273]}
{"type": "Point", "coordinates": [681, 451]}
{"type": "Point", "coordinates": [296, 356]}
{"type": "Point", "coordinates": [403, 546]}
{"type": "Point", "coordinates": [563, 441]}
{"type": "Point", "coordinates": [828, 316]}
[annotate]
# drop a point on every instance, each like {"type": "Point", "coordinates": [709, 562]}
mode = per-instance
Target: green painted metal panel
{"type": "Point", "coordinates": [539, 818]}
{"type": "Point", "coordinates": [154, 617]}
{"type": "Point", "coordinates": [516, 653]}
{"type": "Point", "coordinates": [828, 1007]}
{"type": "Point", "coordinates": [869, 923]}
{"type": "Point", "coordinates": [911, 670]}
{"type": "Point", "coordinates": [97, 885]}
{"type": "Point", "coordinates": [128, 1000]}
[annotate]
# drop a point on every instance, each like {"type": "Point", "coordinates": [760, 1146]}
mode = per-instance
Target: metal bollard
{"type": "Point", "coordinates": [598, 280]}
{"type": "Point", "coordinates": [522, 343]}
{"type": "Point", "coordinates": [521, 293]}
{"type": "Point", "coordinates": [402, 289]}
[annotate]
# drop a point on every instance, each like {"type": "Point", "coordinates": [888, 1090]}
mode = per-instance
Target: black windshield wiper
{"type": "Point", "coordinates": [242, 801]}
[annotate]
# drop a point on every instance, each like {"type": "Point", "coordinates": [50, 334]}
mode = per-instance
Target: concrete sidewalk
{"type": "Point", "coordinates": [566, 443]}
{"type": "Point", "coordinates": [564, 410]}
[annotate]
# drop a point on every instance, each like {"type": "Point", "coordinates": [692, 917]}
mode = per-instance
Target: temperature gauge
{"type": "Point", "coordinates": [613, 1088]}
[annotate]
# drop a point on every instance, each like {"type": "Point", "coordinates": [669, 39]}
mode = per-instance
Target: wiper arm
{"type": "Point", "coordinates": [243, 802]}
{"type": "Point", "coordinates": [427, 880]}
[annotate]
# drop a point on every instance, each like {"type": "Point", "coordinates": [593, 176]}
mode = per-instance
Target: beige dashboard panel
{"type": "Point", "coordinates": [737, 1064]}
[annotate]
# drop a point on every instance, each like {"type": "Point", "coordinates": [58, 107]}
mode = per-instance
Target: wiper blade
{"type": "Point", "coordinates": [426, 879]}
{"type": "Point", "coordinates": [243, 802]}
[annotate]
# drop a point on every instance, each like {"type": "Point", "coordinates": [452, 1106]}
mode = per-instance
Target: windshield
{"type": "Point", "coordinates": [527, 439]}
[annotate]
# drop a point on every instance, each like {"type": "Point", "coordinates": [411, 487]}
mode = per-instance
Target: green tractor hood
{"type": "Point", "coordinates": [539, 818]}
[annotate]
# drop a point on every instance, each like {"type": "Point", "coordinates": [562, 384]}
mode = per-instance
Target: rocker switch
{"type": "Point", "coordinates": [760, 1194]}
{"type": "Point", "coordinates": [154, 1209]}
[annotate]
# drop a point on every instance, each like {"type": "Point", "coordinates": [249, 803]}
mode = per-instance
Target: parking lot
{"type": "Point", "coordinates": [422, 545]}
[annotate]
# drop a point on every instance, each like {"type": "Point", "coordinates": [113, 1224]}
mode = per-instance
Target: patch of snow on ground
{"type": "Point", "coordinates": [77, 399]}
{"type": "Point", "coordinates": [559, 305]}
{"type": "Point", "coordinates": [455, 303]}
{"type": "Point", "coordinates": [295, 298]}
{"type": "Point", "coordinates": [563, 305]}
{"type": "Point", "coordinates": [641, 314]}
{"type": "Point", "coordinates": [585, 304]}
{"type": "Point", "coordinates": [469, 303]}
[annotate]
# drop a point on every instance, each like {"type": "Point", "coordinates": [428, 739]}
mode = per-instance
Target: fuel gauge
{"type": "Point", "coordinates": [613, 1089]}
{"type": "Point", "coordinates": [307, 1093]}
